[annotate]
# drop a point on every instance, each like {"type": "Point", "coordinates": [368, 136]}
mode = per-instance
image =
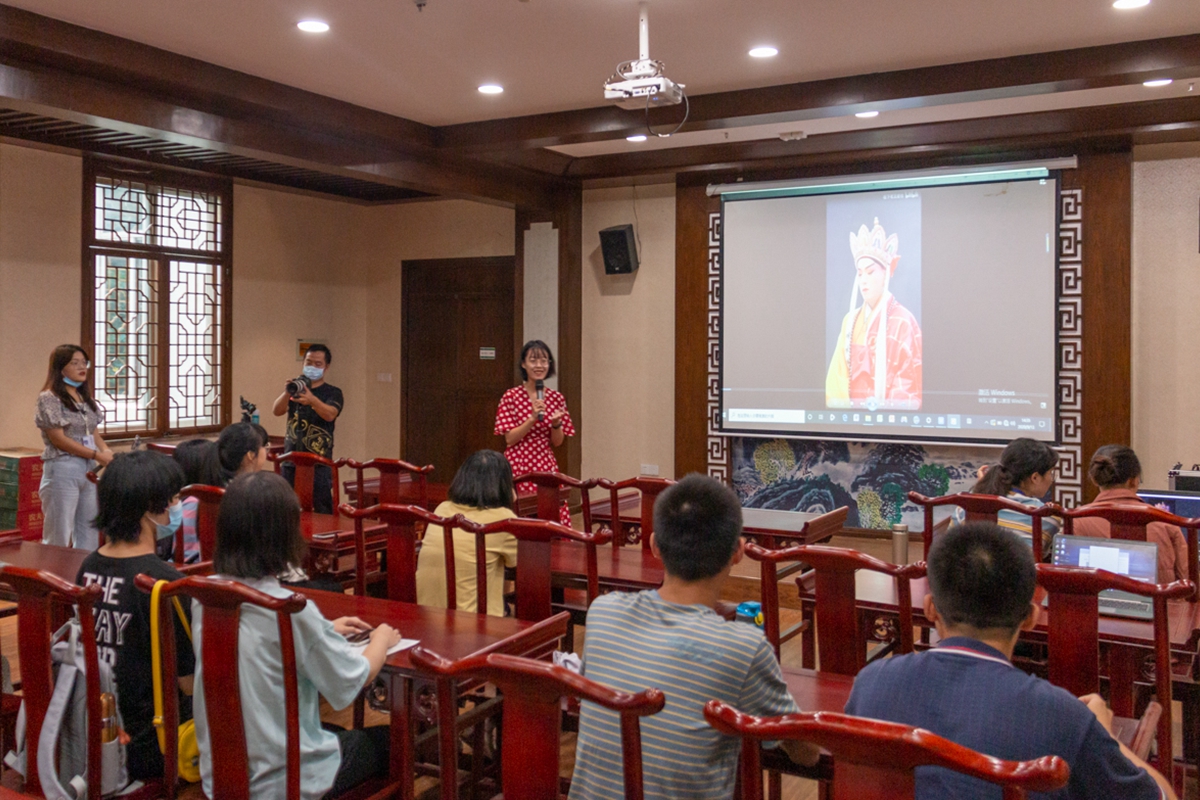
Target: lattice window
{"type": "Point", "coordinates": [158, 257]}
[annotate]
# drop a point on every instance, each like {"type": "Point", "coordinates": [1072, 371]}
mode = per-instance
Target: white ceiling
{"type": "Point", "coordinates": [553, 55]}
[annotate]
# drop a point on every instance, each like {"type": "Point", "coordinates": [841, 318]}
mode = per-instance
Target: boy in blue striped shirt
{"type": "Point", "coordinates": [673, 639]}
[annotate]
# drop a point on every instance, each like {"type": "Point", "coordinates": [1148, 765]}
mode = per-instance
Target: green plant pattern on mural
{"type": "Point", "coordinates": [774, 459]}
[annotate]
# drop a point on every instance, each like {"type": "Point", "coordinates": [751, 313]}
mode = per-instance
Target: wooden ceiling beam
{"type": "Point", "coordinates": [1065, 70]}
{"type": "Point", "coordinates": [1147, 122]}
{"type": "Point", "coordinates": [69, 72]}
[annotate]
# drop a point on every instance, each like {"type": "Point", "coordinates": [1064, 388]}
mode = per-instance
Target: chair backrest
{"type": "Point", "coordinates": [532, 722]}
{"type": "Point", "coordinates": [840, 638]}
{"type": "Point", "coordinates": [222, 602]}
{"type": "Point", "coordinates": [392, 473]}
{"type": "Point", "coordinates": [43, 602]}
{"type": "Point", "coordinates": [549, 494]}
{"type": "Point", "coordinates": [649, 489]}
{"type": "Point", "coordinates": [534, 537]}
{"type": "Point", "coordinates": [1073, 635]}
{"type": "Point", "coordinates": [209, 498]}
{"type": "Point", "coordinates": [874, 760]}
{"type": "Point", "coordinates": [306, 464]}
{"type": "Point", "coordinates": [984, 507]}
{"type": "Point", "coordinates": [401, 536]}
{"type": "Point", "coordinates": [161, 447]}
{"type": "Point", "coordinates": [1129, 521]}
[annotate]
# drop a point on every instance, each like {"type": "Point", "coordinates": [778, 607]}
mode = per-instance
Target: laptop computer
{"type": "Point", "coordinates": [1135, 559]}
{"type": "Point", "coordinates": [1183, 504]}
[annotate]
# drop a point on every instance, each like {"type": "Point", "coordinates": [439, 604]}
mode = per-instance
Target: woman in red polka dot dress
{"type": "Point", "coordinates": [530, 441]}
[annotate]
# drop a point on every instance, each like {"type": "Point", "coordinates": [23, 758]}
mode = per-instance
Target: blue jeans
{"type": "Point", "coordinates": [322, 486]}
{"type": "Point", "coordinates": [68, 503]}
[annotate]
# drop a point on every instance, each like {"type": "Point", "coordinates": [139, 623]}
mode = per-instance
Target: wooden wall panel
{"type": "Point", "coordinates": [568, 218]}
{"type": "Point", "coordinates": [1107, 301]}
{"type": "Point", "coordinates": [692, 207]}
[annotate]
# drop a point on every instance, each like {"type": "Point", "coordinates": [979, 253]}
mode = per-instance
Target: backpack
{"type": "Point", "coordinates": [64, 731]}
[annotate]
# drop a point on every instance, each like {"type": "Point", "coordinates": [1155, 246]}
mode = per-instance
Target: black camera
{"type": "Point", "coordinates": [248, 409]}
{"type": "Point", "coordinates": [297, 386]}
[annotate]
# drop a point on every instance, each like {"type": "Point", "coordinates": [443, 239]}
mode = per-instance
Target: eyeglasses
{"type": "Point", "coordinates": [538, 362]}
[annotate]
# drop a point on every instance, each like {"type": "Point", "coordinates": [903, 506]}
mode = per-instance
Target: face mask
{"type": "Point", "coordinates": [313, 373]}
{"type": "Point", "coordinates": [70, 382]}
{"type": "Point", "coordinates": [175, 520]}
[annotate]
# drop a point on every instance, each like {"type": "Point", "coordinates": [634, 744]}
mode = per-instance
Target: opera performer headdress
{"type": "Point", "coordinates": [874, 246]}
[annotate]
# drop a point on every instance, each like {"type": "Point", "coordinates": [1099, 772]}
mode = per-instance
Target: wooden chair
{"type": "Point", "coordinates": [874, 760]}
{"type": "Point", "coordinates": [983, 507]}
{"type": "Point", "coordinates": [1129, 521]}
{"type": "Point", "coordinates": [1073, 645]}
{"type": "Point", "coordinates": [161, 447]}
{"type": "Point", "coordinates": [209, 498]}
{"type": "Point", "coordinates": [818, 530]}
{"type": "Point", "coordinates": [550, 489]}
{"type": "Point", "coordinates": [533, 554]}
{"type": "Point", "coordinates": [222, 602]}
{"type": "Point", "coordinates": [532, 721]}
{"type": "Point", "coordinates": [390, 471]}
{"type": "Point", "coordinates": [306, 464]}
{"type": "Point", "coordinates": [534, 537]}
{"type": "Point", "coordinates": [401, 548]}
{"type": "Point", "coordinates": [649, 489]}
{"type": "Point", "coordinates": [830, 587]}
{"type": "Point", "coordinates": [44, 602]}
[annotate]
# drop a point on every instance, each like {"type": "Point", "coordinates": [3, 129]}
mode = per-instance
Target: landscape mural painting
{"type": "Point", "coordinates": [872, 478]}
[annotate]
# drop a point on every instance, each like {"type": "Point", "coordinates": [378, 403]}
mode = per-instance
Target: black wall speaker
{"type": "Point", "coordinates": [620, 250]}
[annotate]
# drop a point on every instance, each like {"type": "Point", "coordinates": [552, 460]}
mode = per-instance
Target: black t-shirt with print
{"type": "Point", "coordinates": [123, 640]}
{"type": "Point", "coordinates": [307, 431]}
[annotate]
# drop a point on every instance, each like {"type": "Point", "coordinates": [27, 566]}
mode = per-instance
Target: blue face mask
{"type": "Point", "coordinates": [313, 373]}
{"type": "Point", "coordinates": [70, 382]}
{"type": "Point", "coordinates": [175, 520]}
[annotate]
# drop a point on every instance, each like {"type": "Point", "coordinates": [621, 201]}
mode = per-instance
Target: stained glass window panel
{"type": "Point", "coordinates": [196, 337]}
{"type": "Point", "coordinates": [126, 342]}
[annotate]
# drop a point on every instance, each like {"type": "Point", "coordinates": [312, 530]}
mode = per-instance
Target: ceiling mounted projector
{"type": "Point", "coordinates": [641, 83]}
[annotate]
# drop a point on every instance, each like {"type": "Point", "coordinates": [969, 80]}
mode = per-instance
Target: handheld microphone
{"type": "Point", "coordinates": [541, 395]}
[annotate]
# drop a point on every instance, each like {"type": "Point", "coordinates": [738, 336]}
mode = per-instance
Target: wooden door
{"type": "Point", "coordinates": [457, 357]}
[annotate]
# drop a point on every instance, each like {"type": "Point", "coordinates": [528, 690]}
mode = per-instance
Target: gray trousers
{"type": "Point", "coordinates": [68, 503]}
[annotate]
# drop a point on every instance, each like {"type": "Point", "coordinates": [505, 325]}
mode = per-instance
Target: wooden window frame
{"type": "Point", "coordinates": [95, 167]}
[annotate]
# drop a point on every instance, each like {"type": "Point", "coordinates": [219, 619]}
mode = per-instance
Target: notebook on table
{"type": "Point", "coordinates": [1137, 560]}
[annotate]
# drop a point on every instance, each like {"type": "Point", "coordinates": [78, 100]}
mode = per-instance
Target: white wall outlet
{"type": "Point", "coordinates": [649, 469]}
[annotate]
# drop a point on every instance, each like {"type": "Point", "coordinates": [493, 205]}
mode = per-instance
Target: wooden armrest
{"type": "Point", "coordinates": [199, 568]}
{"type": "Point", "coordinates": [793, 631]}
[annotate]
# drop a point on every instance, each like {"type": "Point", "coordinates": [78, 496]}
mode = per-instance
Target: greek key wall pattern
{"type": "Point", "coordinates": [1069, 488]}
{"type": "Point", "coordinates": [718, 446]}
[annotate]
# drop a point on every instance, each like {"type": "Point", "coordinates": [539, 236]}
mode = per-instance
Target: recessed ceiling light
{"type": "Point", "coordinates": [867, 114]}
{"type": "Point", "coordinates": [312, 26]}
{"type": "Point", "coordinates": [1128, 4]}
{"type": "Point", "coordinates": [1154, 84]}
{"type": "Point", "coordinates": [637, 137]}
{"type": "Point", "coordinates": [765, 51]}
{"type": "Point", "coordinates": [491, 88]}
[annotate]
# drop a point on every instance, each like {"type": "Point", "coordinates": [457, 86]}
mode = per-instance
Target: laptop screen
{"type": "Point", "coordinates": [1136, 559]}
{"type": "Point", "coordinates": [1183, 504]}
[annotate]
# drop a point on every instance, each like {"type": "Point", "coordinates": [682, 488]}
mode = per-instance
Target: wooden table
{"type": "Point", "coordinates": [453, 635]}
{"type": "Point", "coordinates": [627, 568]}
{"type": "Point", "coordinates": [757, 521]}
{"type": "Point", "coordinates": [435, 492]}
{"type": "Point", "coordinates": [330, 540]}
{"type": "Point", "coordinates": [61, 561]}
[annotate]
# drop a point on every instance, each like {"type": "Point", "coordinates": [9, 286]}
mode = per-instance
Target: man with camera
{"type": "Point", "coordinates": [312, 407]}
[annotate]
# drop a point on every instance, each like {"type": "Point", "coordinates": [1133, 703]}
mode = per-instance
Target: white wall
{"type": "Point", "coordinates": [540, 284]}
{"type": "Point", "coordinates": [629, 337]}
{"type": "Point", "coordinates": [40, 287]}
{"type": "Point", "coordinates": [1166, 323]}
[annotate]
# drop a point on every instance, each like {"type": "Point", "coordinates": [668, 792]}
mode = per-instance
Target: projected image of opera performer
{"type": "Point", "coordinates": [877, 360]}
